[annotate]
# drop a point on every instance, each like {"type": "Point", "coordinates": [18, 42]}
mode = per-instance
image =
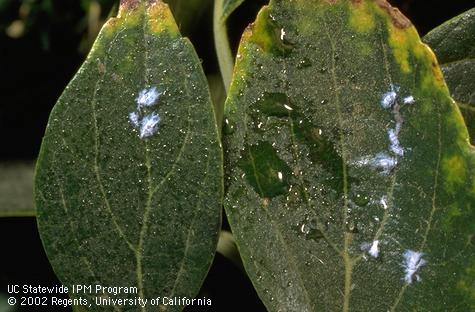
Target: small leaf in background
{"type": "Point", "coordinates": [16, 189]}
{"type": "Point", "coordinates": [221, 11]}
{"type": "Point", "coordinates": [350, 179]}
{"type": "Point", "coordinates": [454, 44]}
{"type": "Point", "coordinates": [189, 13]}
{"type": "Point", "coordinates": [129, 178]}
{"type": "Point", "coordinates": [4, 306]}
{"type": "Point", "coordinates": [228, 7]}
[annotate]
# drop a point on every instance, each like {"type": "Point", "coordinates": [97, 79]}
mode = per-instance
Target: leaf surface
{"type": "Point", "coordinates": [128, 182]}
{"type": "Point", "coordinates": [454, 44]}
{"type": "Point", "coordinates": [350, 181]}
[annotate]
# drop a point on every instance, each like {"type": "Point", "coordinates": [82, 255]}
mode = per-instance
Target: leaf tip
{"type": "Point", "coordinates": [130, 5]}
{"type": "Point", "coordinates": [398, 19]}
{"type": "Point", "coordinates": [126, 5]}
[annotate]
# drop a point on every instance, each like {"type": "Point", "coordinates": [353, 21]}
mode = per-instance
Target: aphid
{"type": "Point", "coordinates": [389, 98]}
{"type": "Point", "coordinates": [395, 146]}
{"type": "Point", "coordinates": [149, 125]}
{"type": "Point", "coordinates": [409, 100]}
{"type": "Point", "coordinates": [134, 119]}
{"type": "Point", "coordinates": [372, 249]}
{"type": "Point", "coordinates": [381, 161]}
{"type": "Point", "coordinates": [412, 263]}
{"type": "Point", "coordinates": [147, 97]}
{"type": "Point", "coordinates": [384, 202]}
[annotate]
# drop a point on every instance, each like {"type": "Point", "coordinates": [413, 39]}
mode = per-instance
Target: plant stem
{"type": "Point", "coordinates": [221, 41]}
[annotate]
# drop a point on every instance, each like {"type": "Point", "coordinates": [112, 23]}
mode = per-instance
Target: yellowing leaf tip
{"type": "Point", "coordinates": [398, 19]}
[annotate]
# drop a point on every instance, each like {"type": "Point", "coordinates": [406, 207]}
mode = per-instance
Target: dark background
{"type": "Point", "coordinates": [42, 44]}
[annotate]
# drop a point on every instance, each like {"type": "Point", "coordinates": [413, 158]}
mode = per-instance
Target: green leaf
{"type": "Point", "coordinates": [16, 189]}
{"type": "Point", "coordinates": [228, 7]}
{"type": "Point", "coordinates": [454, 44]}
{"type": "Point", "coordinates": [221, 40]}
{"type": "Point", "coordinates": [129, 178]}
{"type": "Point", "coordinates": [350, 180]}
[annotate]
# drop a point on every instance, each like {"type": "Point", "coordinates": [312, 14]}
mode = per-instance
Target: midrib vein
{"type": "Point", "coordinates": [96, 147]}
{"type": "Point", "coordinates": [348, 262]}
{"type": "Point", "coordinates": [433, 209]}
{"type": "Point", "coordinates": [151, 189]}
{"type": "Point", "coordinates": [148, 204]}
{"type": "Point", "coordinates": [390, 192]}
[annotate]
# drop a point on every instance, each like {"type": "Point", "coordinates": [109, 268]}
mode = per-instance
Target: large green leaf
{"type": "Point", "coordinates": [129, 178]}
{"type": "Point", "coordinates": [454, 44]}
{"type": "Point", "coordinates": [349, 174]}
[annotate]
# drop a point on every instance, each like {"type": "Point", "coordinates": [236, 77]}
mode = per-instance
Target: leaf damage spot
{"type": "Point", "coordinates": [361, 17]}
{"type": "Point", "coordinates": [413, 262]}
{"type": "Point", "coordinates": [129, 4]}
{"type": "Point", "coordinates": [397, 18]}
{"type": "Point", "coordinates": [132, 4]}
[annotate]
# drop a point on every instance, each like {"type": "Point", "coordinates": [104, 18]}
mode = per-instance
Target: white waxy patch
{"type": "Point", "coordinates": [280, 175]}
{"type": "Point", "coordinates": [287, 107]}
{"type": "Point", "coordinates": [374, 250]}
{"type": "Point", "coordinates": [145, 122]}
{"type": "Point", "coordinates": [381, 161]}
{"type": "Point", "coordinates": [395, 146]}
{"type": "Point", "coordinates": [389, 98]}
{"type": "Point", "coordinates": [149, 125]}
{"type": "Point", "coordinates": [134, 119]}
{"type": "Point", "coordinates": [282, 34]}
{"type": "Point", "coordinates": [409, 100]}
{"type": "Point", "coordinates": [371, 248]}
{"type": "Point", "coordinates": [412, 263]}
{"type": "Point", "coordinates": [147, 97]}
{"type": "Point", "coordinates": [384, 202]}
